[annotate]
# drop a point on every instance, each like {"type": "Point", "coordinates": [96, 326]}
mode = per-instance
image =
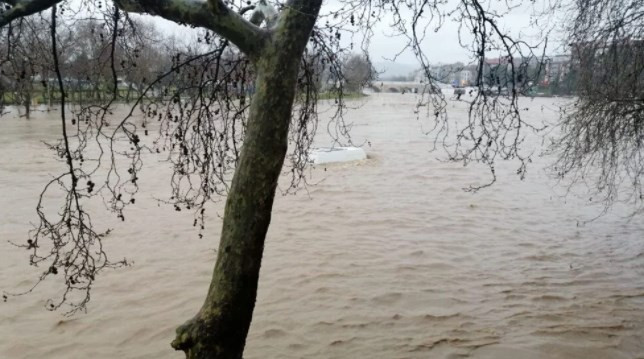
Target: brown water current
{"type": "Point", "coordinates": [384, 258]}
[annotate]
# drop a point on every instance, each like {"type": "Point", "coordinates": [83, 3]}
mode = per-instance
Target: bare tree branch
{"type": "Point", "coordinates": [213, 15]}
{"type": "Point", "coordinates": [14, 9]}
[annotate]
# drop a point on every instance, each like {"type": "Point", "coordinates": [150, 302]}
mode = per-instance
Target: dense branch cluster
{"type": "Point", "coordinates": [602, 132]}
{"type": "Point", "coordinates": [131, 96]}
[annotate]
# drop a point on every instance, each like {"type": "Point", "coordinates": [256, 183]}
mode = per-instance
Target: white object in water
{"type": "Point", "coordinates": [336, 154]}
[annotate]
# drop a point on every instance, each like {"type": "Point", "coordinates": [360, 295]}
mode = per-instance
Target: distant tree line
{"type": "Point", "coordinates": [91, 56]}
{"type": "Point", "coordinates": [140, 51]}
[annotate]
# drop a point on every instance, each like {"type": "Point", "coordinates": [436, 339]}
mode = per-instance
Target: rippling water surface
{"type": "Point", "coordinates": [385, 258]}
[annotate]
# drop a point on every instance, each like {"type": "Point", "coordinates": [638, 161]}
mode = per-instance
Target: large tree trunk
{"type": "Point", "coordinates": [219, 329]}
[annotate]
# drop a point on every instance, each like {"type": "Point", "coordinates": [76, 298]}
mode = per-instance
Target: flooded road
{"type": "Point", "coordinates": [383, 258]}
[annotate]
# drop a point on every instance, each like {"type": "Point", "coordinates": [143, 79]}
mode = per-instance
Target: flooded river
{"type": "Point", "coordinates": [384, 258]}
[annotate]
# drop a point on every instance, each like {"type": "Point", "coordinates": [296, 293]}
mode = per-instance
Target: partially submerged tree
{"type": "Point", "coordinates": [226, 115]}
{"type": "Point", "coordinates": [144, 60]}
{"type": "Point", "coordinates": [358, 72]}
{"type": "Point", "coordinates": [24, 61]}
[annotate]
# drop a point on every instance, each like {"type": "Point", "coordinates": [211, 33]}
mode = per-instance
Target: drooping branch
{"type": "Point", "coordinates": [601, 141]}
{"type": "Point", "coordinates": [213, 15]}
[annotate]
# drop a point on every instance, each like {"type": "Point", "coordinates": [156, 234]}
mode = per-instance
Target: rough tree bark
{"type": "Point", "coordinates": [219, 329]}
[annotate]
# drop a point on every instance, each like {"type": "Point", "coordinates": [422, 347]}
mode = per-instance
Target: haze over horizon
{"type": "Point", "coordinates": [443, 45]}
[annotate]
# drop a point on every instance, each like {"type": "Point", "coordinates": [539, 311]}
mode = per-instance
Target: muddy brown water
{"type": "Point", "coordinates": [384, 258]}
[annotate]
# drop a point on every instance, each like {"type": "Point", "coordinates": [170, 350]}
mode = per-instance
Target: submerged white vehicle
{"type": "Point", "coordinates": [323, 155]}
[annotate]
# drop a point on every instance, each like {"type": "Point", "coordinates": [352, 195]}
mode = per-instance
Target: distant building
{"type": "Point", "coordinates": [467, 76]}
{"type": "Point", "coordinates": [555, 69]}
{"type": "Point", "coordinates": [456, 74]}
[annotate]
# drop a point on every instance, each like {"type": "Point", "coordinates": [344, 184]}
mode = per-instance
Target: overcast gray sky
{"type": "Point", "coordinates": [440, 47]}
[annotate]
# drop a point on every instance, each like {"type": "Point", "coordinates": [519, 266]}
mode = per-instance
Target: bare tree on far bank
{"type": "Point", "coordinates": [231, 115]}
{"type": "Point", "coordinates": [28, 74]}
{"type": "Point", "coordinates": [23, 61]}
{"type": "Point", "coordinates": [358, 72]}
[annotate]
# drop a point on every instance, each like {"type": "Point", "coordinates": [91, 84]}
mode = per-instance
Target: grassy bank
{"type": "Point", "coordinates": [346, 96]}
